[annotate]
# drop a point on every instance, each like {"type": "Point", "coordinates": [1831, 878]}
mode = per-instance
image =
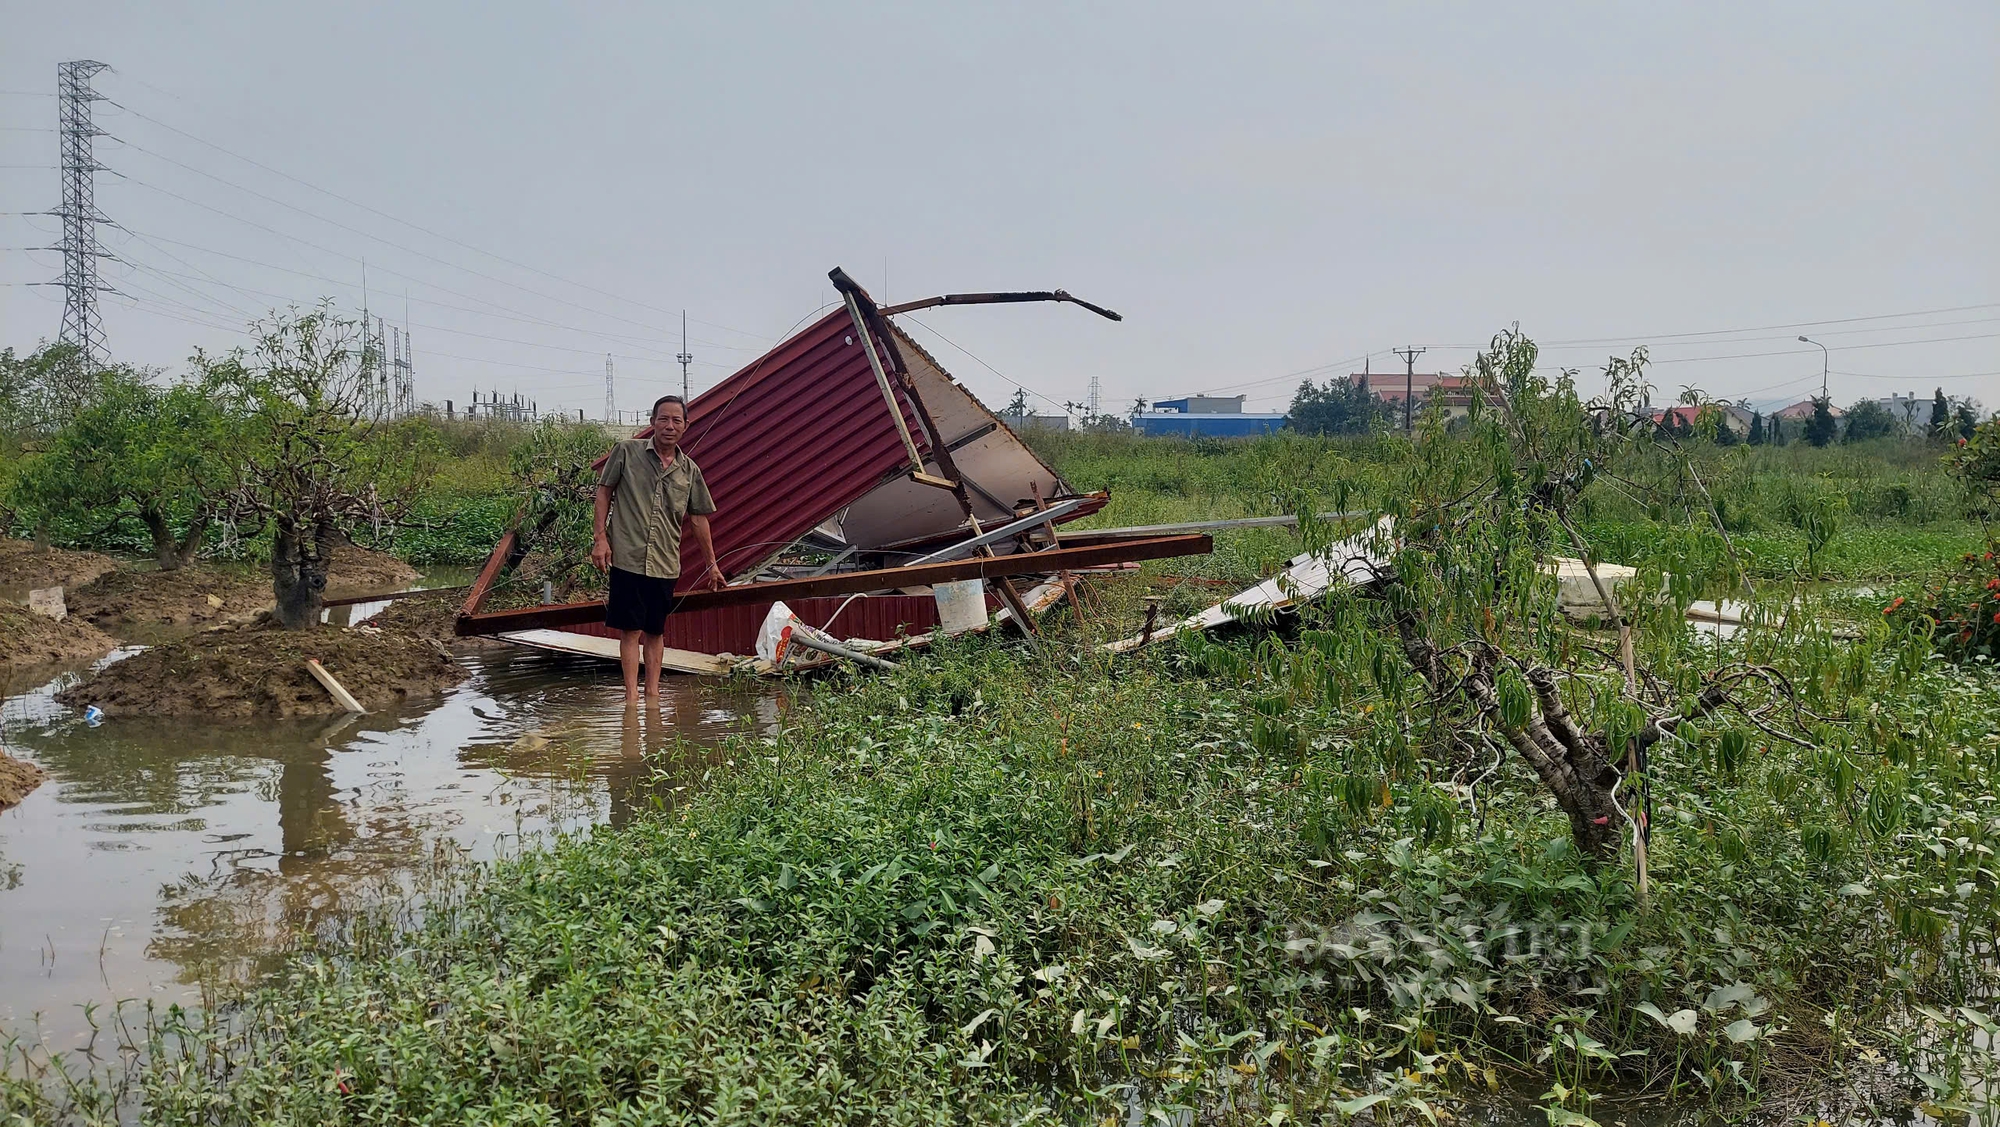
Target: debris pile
{"type": "Point", "coordinates": [853, 477]}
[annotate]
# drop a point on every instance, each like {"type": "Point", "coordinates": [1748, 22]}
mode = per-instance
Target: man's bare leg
{"type": "Point", "coordinates": [628, 660]}
{"type": "Point", "coordinates": [656, 646]}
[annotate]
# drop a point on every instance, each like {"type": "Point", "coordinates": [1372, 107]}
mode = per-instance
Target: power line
{"type": "Point", "coordinates": [1842, 348]}
{"type": "Point", "coordinates": [396, 219]}
{"type": "Point", "coordinates": [961, 348]}
{"type": "Point", "coordinates": [1642, 337]}
{"type": "Point", "coordinates": [348, 284]}
{"type": "Point", "coordinates": [386, 242]}
{"type": "Point", "coordinates": [338, 254]}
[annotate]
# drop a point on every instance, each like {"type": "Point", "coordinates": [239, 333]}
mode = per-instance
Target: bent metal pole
{"type": "Point", "coordinates": [867, 342]}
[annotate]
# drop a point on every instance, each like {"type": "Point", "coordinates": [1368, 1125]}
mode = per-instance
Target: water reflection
{"type": "Point", "coordinates": [163, 854]}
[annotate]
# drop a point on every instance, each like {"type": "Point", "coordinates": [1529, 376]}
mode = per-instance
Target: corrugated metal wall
{"type": "Point", "coordinates": [793, 438]}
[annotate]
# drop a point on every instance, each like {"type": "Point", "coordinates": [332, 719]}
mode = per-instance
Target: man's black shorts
{"type": "Point", "coordinates": [638, 602]}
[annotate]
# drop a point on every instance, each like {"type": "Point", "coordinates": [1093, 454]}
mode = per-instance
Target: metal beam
{"type": "Point", "coordinates": [999, 299]}
{"type": "Point", "coordinates": [855, 582]}
{"type": "Point", "coordinates": [1004, 531]}
{"type": "Point", "coordinates": [1102, 535]}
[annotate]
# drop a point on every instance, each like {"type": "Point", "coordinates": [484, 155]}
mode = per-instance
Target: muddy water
{"type": "Point", "coordinates": [161, 855]}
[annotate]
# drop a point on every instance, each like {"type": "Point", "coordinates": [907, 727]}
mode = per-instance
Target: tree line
{"type": "Point", "coordinates": [282, 439]}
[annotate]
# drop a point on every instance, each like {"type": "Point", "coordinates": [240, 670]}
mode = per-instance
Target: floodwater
{"type": "Point", "coordinates": [163, 854]}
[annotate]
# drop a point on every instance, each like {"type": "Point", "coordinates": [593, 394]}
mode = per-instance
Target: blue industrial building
{"type": "Point", "coordinates": [1206, 416]}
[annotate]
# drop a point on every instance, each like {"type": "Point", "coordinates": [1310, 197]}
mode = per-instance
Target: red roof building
{"type": "Point", "coordinates": [1803, 409]}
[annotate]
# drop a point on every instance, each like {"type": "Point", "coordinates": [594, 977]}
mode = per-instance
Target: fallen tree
{"type": "Point", "coordinates": [1468, 596]}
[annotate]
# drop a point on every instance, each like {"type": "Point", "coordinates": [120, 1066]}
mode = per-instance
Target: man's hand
{"type": "Point", "coordinates": [714, 580]}
{"type": "Point", "coordinates": [600, 553]}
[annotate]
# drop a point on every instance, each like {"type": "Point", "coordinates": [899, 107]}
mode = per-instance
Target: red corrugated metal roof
{"type": "Point", "coordinates": [793, 438]}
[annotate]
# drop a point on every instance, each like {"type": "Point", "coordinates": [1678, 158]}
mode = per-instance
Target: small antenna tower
{"type": "Point", "coordinates": [1095, 396]}
{"type": "Point", "coordinates": [81, 326]}
{"type": "Point", "coordinates": [610, 400]}
{"type": "Point", "coordinates": [685, 356]}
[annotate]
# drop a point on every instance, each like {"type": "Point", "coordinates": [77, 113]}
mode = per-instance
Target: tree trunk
{"type": "Point", "coordinates": [298, 572]}
{"type": "Point", "coordinates": [165, 549]}
{"type": "Point", "coordinates": [191, 544]}
{"type": "Point", "coordinates": [1573, 765]}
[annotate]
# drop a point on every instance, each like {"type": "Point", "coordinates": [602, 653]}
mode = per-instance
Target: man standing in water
{"type": "Point", "coordinates": [649, 488]}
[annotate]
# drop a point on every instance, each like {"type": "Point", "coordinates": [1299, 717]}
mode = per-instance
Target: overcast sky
{"type": "Point", "coordinates": [1262, 190]}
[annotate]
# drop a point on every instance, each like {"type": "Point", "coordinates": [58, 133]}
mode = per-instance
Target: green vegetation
{"type": "Point", "coordinates": [1376, 858]}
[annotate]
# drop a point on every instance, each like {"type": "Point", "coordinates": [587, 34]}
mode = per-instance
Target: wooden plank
{"type": "Point", "coordinates": [853, 582]}
{"type": "Point", "coordinates": [334, 688]}
{"type": "Point", "coordinates": [496, 561]}
{"type": "Point", "coordinates": [591, 645]}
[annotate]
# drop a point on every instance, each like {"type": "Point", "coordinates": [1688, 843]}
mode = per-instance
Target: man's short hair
{"type": "Point", "coordinates": [665, 399]}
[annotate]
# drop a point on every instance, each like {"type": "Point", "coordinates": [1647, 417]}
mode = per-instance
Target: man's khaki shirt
{"type": "Point", "coordinates": [649, 502]}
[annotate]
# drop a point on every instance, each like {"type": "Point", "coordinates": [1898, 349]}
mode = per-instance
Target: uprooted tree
{"type": "Point", "coordinates": [1465, 591]}
{"type": "Point", "coordinates": [315, 460]}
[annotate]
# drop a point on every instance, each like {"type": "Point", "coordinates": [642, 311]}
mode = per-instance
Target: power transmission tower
{"type": "Point", "coordinates": [610, 399]}
{"type": "Point", "coordinates": [1409, 355]}
{"type": "Point", "coordinates": [1095, 397]}
{"type": "Point", "coordinates": [80, 217]}
{"type": "Point", "coordinates": [685, 356]}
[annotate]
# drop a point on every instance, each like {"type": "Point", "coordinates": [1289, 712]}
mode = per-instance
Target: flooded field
{"type": "Point", "coordinates": [160, 856]}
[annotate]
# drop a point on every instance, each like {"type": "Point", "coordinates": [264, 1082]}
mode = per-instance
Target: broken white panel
{"type": "Point", "coordinates": [1304, 578]}
{"type": "Point", "coordinates": [1576, 595]}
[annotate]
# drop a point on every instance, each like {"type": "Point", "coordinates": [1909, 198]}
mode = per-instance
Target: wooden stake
{"type": "Point", "coordinates": [340, 695]}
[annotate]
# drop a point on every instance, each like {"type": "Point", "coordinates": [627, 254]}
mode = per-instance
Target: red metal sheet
{"type": "Point", "coordinates": [793, 438]}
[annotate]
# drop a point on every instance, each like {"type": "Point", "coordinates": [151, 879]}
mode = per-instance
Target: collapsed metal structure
{"type": "Point", "coordinates": [851, 473]}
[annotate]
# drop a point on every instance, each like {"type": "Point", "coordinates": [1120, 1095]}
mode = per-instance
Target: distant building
{"type": "Point", "coordinates": [1735, 418]}
{"type": "Point", "coordinates": [1911, 412]}
{"type": "Point", "coordinates": [1240, 424]}
{"type": "Point", "coordinates": [1803, 409]}
{"type": "Point", "coordinates": [1389, 388]}
{"type": "Point", "coordinates": [1203, 405]}
{"type": "Point", "coordinates": [1206, 416]}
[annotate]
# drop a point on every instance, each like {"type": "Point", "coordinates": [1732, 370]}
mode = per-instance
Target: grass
{"type": "Point", "coordinates": [1240, 879]}
{"type": "Point", "coordinates": [993, 887]}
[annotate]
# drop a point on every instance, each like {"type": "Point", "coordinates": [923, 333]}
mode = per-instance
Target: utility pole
{"type": "Point", "coordinates": [610, 400]}
{"type": "Point", "coordinates": [1409, 353]}
{"type": "Point", "coordinates": [685, 357]}
{"type": "Point", "coordinates": [81, 326]}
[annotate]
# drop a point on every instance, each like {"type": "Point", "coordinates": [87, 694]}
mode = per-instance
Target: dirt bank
{"type": "Point", "coordinates": [29, 640]}
{"type": "Point", "coordinates": [261, 671]}
{"type": "Point", "coordinates": [23, 567]}
{"type": "Point", "coordinates": [358, 571]}
{"type": "Point", "coordinates": [424, 616]}
{"type": "Point", "coordinates": [130, 602]}
{"type": "Point", "coordinates": [17, 778]}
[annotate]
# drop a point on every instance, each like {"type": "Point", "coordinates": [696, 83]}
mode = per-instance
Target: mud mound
{"type": "Point", "coordinates": [358, 571]}
{"type": "Point", "coordinates": [149, 601]}
{"type": "Point", "coordinates": [28, 639]}
{"type": "Point", "coordinates": [17, 779]}
{"type": "Point", "coordinates": [261, 671]}
{"type": "Point", "coordinates": [25, 567]}
{"type": "Point", "coordinates": [423, 616]}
